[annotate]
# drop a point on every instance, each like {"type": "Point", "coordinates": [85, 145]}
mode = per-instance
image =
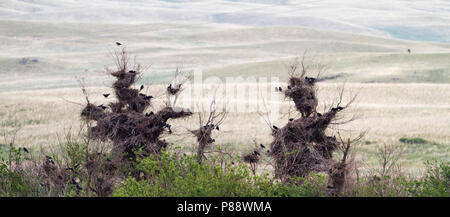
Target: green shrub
{"type": "Point", "coordinates": [182, 176]}
{"type": "Point", "coordinates": [435, 183]}
{"type": "Point", "coordinates": [415, 140]}
{"type": "Point", "coordinates": [14, 180]}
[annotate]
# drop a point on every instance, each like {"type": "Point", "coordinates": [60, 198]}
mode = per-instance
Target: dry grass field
{"type": "Point", "coordinates": [47, 44]}
{"type": "Point", "coordinates": [387, 111]}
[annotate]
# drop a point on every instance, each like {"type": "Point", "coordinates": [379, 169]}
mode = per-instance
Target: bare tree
{"type": "Point", "coordinates": [208, 121]}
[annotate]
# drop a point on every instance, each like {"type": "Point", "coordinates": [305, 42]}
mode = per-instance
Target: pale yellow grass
{"type": "Point", "coordinates": [387, 111]}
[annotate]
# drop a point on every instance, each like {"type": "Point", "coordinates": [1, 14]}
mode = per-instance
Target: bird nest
{"type": "Point", "coordinates": [301, 146]}
{"type": "Point", "coordinates": [124, 122]}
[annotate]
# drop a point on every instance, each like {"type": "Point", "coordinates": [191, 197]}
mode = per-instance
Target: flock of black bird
{"type": "Point", "coordinates": [308, 79]}
{"type": "Point", "coordinates": [211, 126]}
{"type": "Point", "coordinates": [146, 97]}
{"type": "Point", "coordinates": [170, 88]}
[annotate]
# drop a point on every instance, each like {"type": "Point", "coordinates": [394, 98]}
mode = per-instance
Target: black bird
{"type": "Point", "coordinates": [106, 95]}
{"type": "Point", "coordinates": [311, 80]}
{"type": "Point", "coordinates": [204, 127]}
{"type": "Point", "coordinates": [255, 153]}
{"type": "Point", "coordinates": [268, 151]}
{"type": "Point", "coordinates": [102, 106]}
{"type": "Point", "coordinates": [74, 181]}
{"type": "Point", "coordinates": [132, 71]}
{"type": "Point", "coordinates": [147, 114]}
{"type": "Point", "coordinates": [291, 119]}
{"type": "Point", "coordinates": [262, 146]}
{"type": "Point", "coordinates": [232, 162]}
{"type": "Point", "coordinates": [275, 127]}
{"type": "Point", "coordinates": [217, 127]}
{"type": "Point", "coordinates": [118, 43]}
{"type": "Point", "coordinates": [148, 97]}
{"type": "Point", "coordinates": [142, 87]}
{"type": "Point", "coordinates": [279, 89]}
{"type": "Point", "coordinates": [26, 150]}
{"type": "Point", "coordinates": [169, 87]}
{"type": "Point", "coordinates": [319, 115]}
{"type": "Point", "coordinates": [337, 108]}
{"type": "Point", "coordinates": [79, 188]}
{"type": "Point", "coordinates": [289, 87]}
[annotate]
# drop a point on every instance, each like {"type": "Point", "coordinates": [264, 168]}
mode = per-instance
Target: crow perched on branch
{"type": "Point", "coordinates": [26, 150]}
{"type": "Point", "coordinates": [262, 146]}
{"type": "Point", "coordinates": [142, 87]}
{"type": "Point", "coordinates": [310, 80]}
{"type": "Point", "coordinates": [169, 128]}
{"type": "Point", "coordinates": [217, 127]}
{"type": "Point", "coordinates": [118, 43]}
{"type": "Point", "coordinates": [132, 71]}
{"type": "Point", "coordinates": [49, 159]}
{"type": "Point", "coordinates": [337, 109]}
{"type": "Point", "coordinates": [106, 95]}
{"type": "Point", "coordinates": [291, 119]}
{"type": "Point", "coordinates": [275, 127]}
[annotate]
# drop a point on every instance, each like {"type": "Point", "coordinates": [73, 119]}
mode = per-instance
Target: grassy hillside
{"type": "Point", "coordinates": [50, 55]}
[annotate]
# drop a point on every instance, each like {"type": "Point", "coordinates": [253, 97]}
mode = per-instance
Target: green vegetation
{"type": "Point", "coordinates": [435, 182]}
{"type": "Point", "coordinates": [416, 140]}
{"type": "Point", "coordinates": [174, 174]}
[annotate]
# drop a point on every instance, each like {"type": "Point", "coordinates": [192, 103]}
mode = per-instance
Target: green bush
{"type": "Point", "coordinates": [416, 140]}
{"type": "Point", "coordinates": [435, 182]}
{"type": "Point", "coordinates": [14, 180]}
{"type": "Point", "coordinates": [182, 176]}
